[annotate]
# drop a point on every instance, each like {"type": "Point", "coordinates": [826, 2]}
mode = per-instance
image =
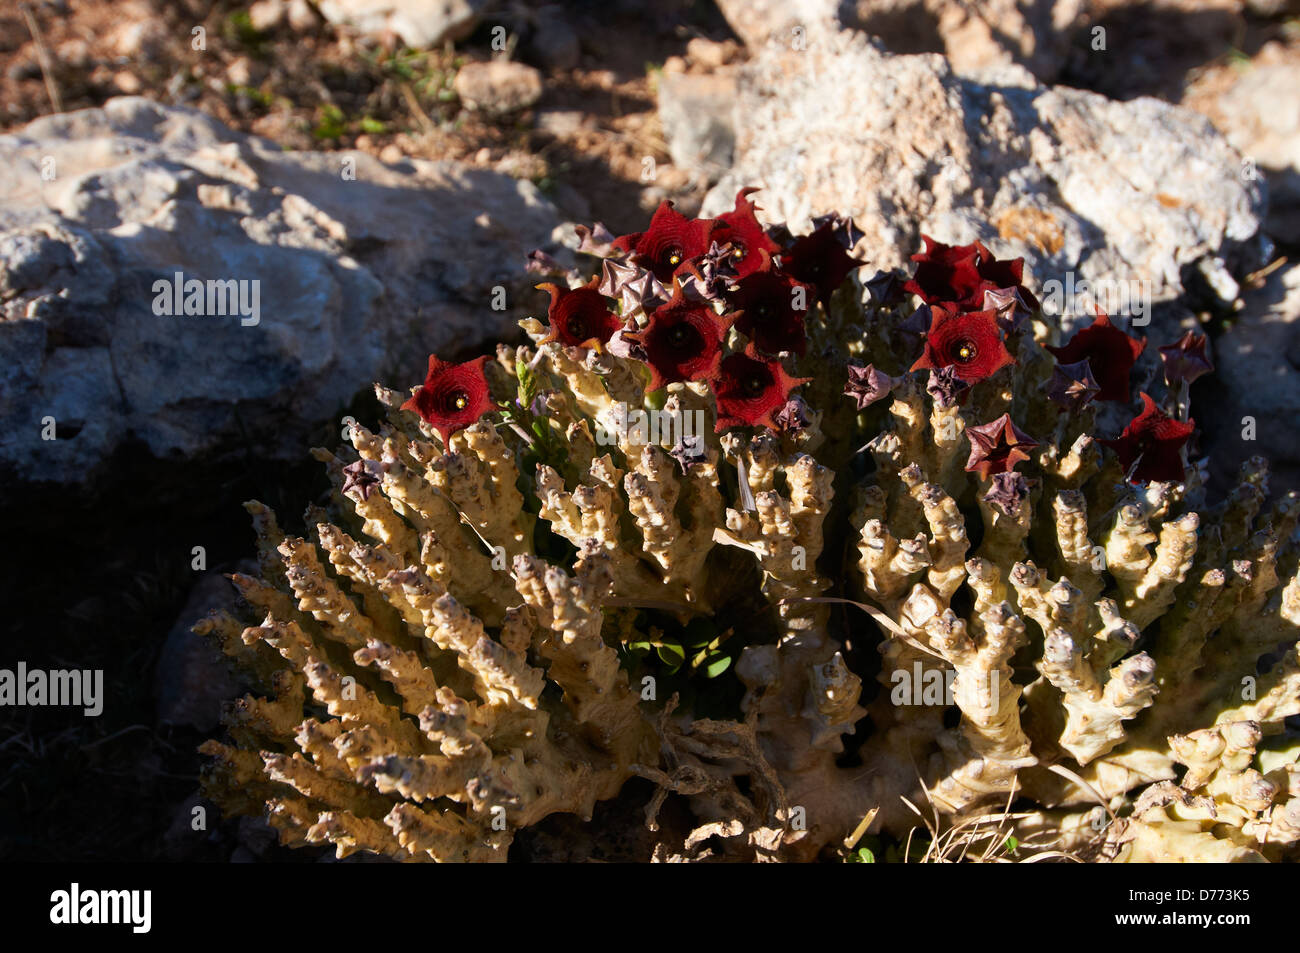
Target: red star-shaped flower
{"type": "Point", "coordinates": [452, 396]}
{"type": "Point", "coordinates": [751, 392]}
{"type": "Point", "coordinates": [682, 341]}
{"type": "Point", "coordinates": [579, 316]}
{"type": "Point", "coordinates": [1185, 359]}
{"type": "Point", "coordinates": [1150, 445]}
{"type": "Point", "coordinates": [819, 259]}
{"type": "Point", "coordinates": [944, 272]}
{"type": "Point", "coordinates": [1110, 354]}
{"type": "Point", "coordinates": [741, 230]}
{"type": "Point", "coordinates": [770, 313]}
{"type": "Point", "coordinates": [671, 240]}
{"type": "Point", "coordinates": [997, 447]}
{"type": "Point", "coordinates": [968, 343]}
{"type": "Point", "coordinates": [963, 273]}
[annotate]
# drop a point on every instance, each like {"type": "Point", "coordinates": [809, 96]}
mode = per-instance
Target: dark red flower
{"type": "Point", "coordinates": [772, 308]}
{"type": "Point", "coordinates": [866, 385]}
{"type": "Point", "coordinates": [579, 316]}
{"type": "Point", "coordinates": [452, 396]}
{"type": "Point", "coordinates": [1185, 359]}
{"type": "Point", "coordinates": [962, 273]}
{"type": "Point", "coordinates": [944, 272]}
{"type": "Point", "coordinates": [1150, 445]}
{"type": "Point", "coordinates": [819, 259]}
{"type": "Point", "coordinates": [682, 341]}
{"type": "Point", "coordinates": [1110, 354]}
{"type": "Point", "coordinates": [1072, 386]}
{"type": "Point", "coordinates": [741, 230]}
{"type": "Point", "coordinates": [750, 391]}
{"type": "Point", "coordinates": [997, 447]}
{"type": "Point", "coordinates": [671, 240]}
{"type": "Point", "coordinates": [968, 343]}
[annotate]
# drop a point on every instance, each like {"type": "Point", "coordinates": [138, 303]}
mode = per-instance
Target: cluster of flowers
{"type": "Point", "coordinates": [670, 296]}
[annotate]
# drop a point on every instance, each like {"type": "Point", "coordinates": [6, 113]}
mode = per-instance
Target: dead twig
{"type": "Point", "coordinates": [43, 57]}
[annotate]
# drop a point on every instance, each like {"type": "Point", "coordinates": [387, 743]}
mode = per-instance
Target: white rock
{"type": "Point", "coordinates": [359, 281]}
{"type": "Point", "coordinates": [1076, 183]}
{"type": "Point", "coordinates": [420, 23]}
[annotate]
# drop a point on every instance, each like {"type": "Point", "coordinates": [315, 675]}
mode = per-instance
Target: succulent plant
{"type": "Point", "coordinates": [809, 559]}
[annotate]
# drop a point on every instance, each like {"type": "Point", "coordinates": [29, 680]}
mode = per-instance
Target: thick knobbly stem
{"type": "Point", "coordinates": [436, 659]}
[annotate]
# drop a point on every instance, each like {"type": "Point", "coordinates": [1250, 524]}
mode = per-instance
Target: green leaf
{"type": "Point", "coordinates": [718, 665]}
{"type": "Point", "coordinates": [672, 654]}
{"type": "Point", "coordinates": [865, 856]}
{"type": "Point", "coordinates": [1011, 843]}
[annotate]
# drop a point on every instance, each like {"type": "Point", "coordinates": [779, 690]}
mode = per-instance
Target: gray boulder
{"type": "Point", "coordinates": [1084, 188]}
{"type": "Point", "coordinates": [350, 271]}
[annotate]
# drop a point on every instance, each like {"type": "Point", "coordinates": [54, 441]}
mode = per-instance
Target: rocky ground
{"type": "Point", "coordinates": [1155, 141]}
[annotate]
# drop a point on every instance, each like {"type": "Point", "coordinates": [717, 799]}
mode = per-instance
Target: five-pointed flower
{"type": "Point", "coordinates": [1151, 445]}
{"type": "Point", "coordinates": [671, 240]}
{"type": "Point", "coordinates": [452, 396]}
{"type": "Point", "coordinates": [946, 387]}
{"type": "Point", "coordinates": [819, 259]}
{"type": "Point", "coordinates": [1185, 359]}
{"type": "Point", "coordinates": [866, 385]}
{"type": "Point", "coordinates": [741, 230]}
{"type": "Point", "coordinates": [963, 273]}
{"type": "Point", "coordinates": [772, 307]}
{"type": "Point", "coordinates": [969, 343]}
{"type": "Point", "coordinates": [1110, 354]}
{"type": "Point", "coordinates": [579, 316]}
{"type": "Point", "coordinates": [997, 447]}
{"type": "Point", "coordinates": [1008, 492]}
{"type": "Point", "coordinates": [1072, 385]}
{"type": "Point", "coordinates": [360, 475]}
{"type": "Point", "coordinates": [682, 341]}
{"type": "Point", "coordinates": [750, 391]}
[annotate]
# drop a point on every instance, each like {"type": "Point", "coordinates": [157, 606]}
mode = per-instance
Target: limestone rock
{"type": "Point", "coordinates": [1033, 33]}
{"type": "Point", "coordinates": [420, 23]}
{"type": "Point", "coordinates": [695, 112]}
{"type": "Point", "coordinates": [757, 22]}
{"type": "Point", "coordinates": [498, 86]}
{"type": "Point", "coordinates": [1259, 112]}
{"type": "Point", "coordinates": [362, 270]}
{"type": "Point", "coordinates": [1079, 185]}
